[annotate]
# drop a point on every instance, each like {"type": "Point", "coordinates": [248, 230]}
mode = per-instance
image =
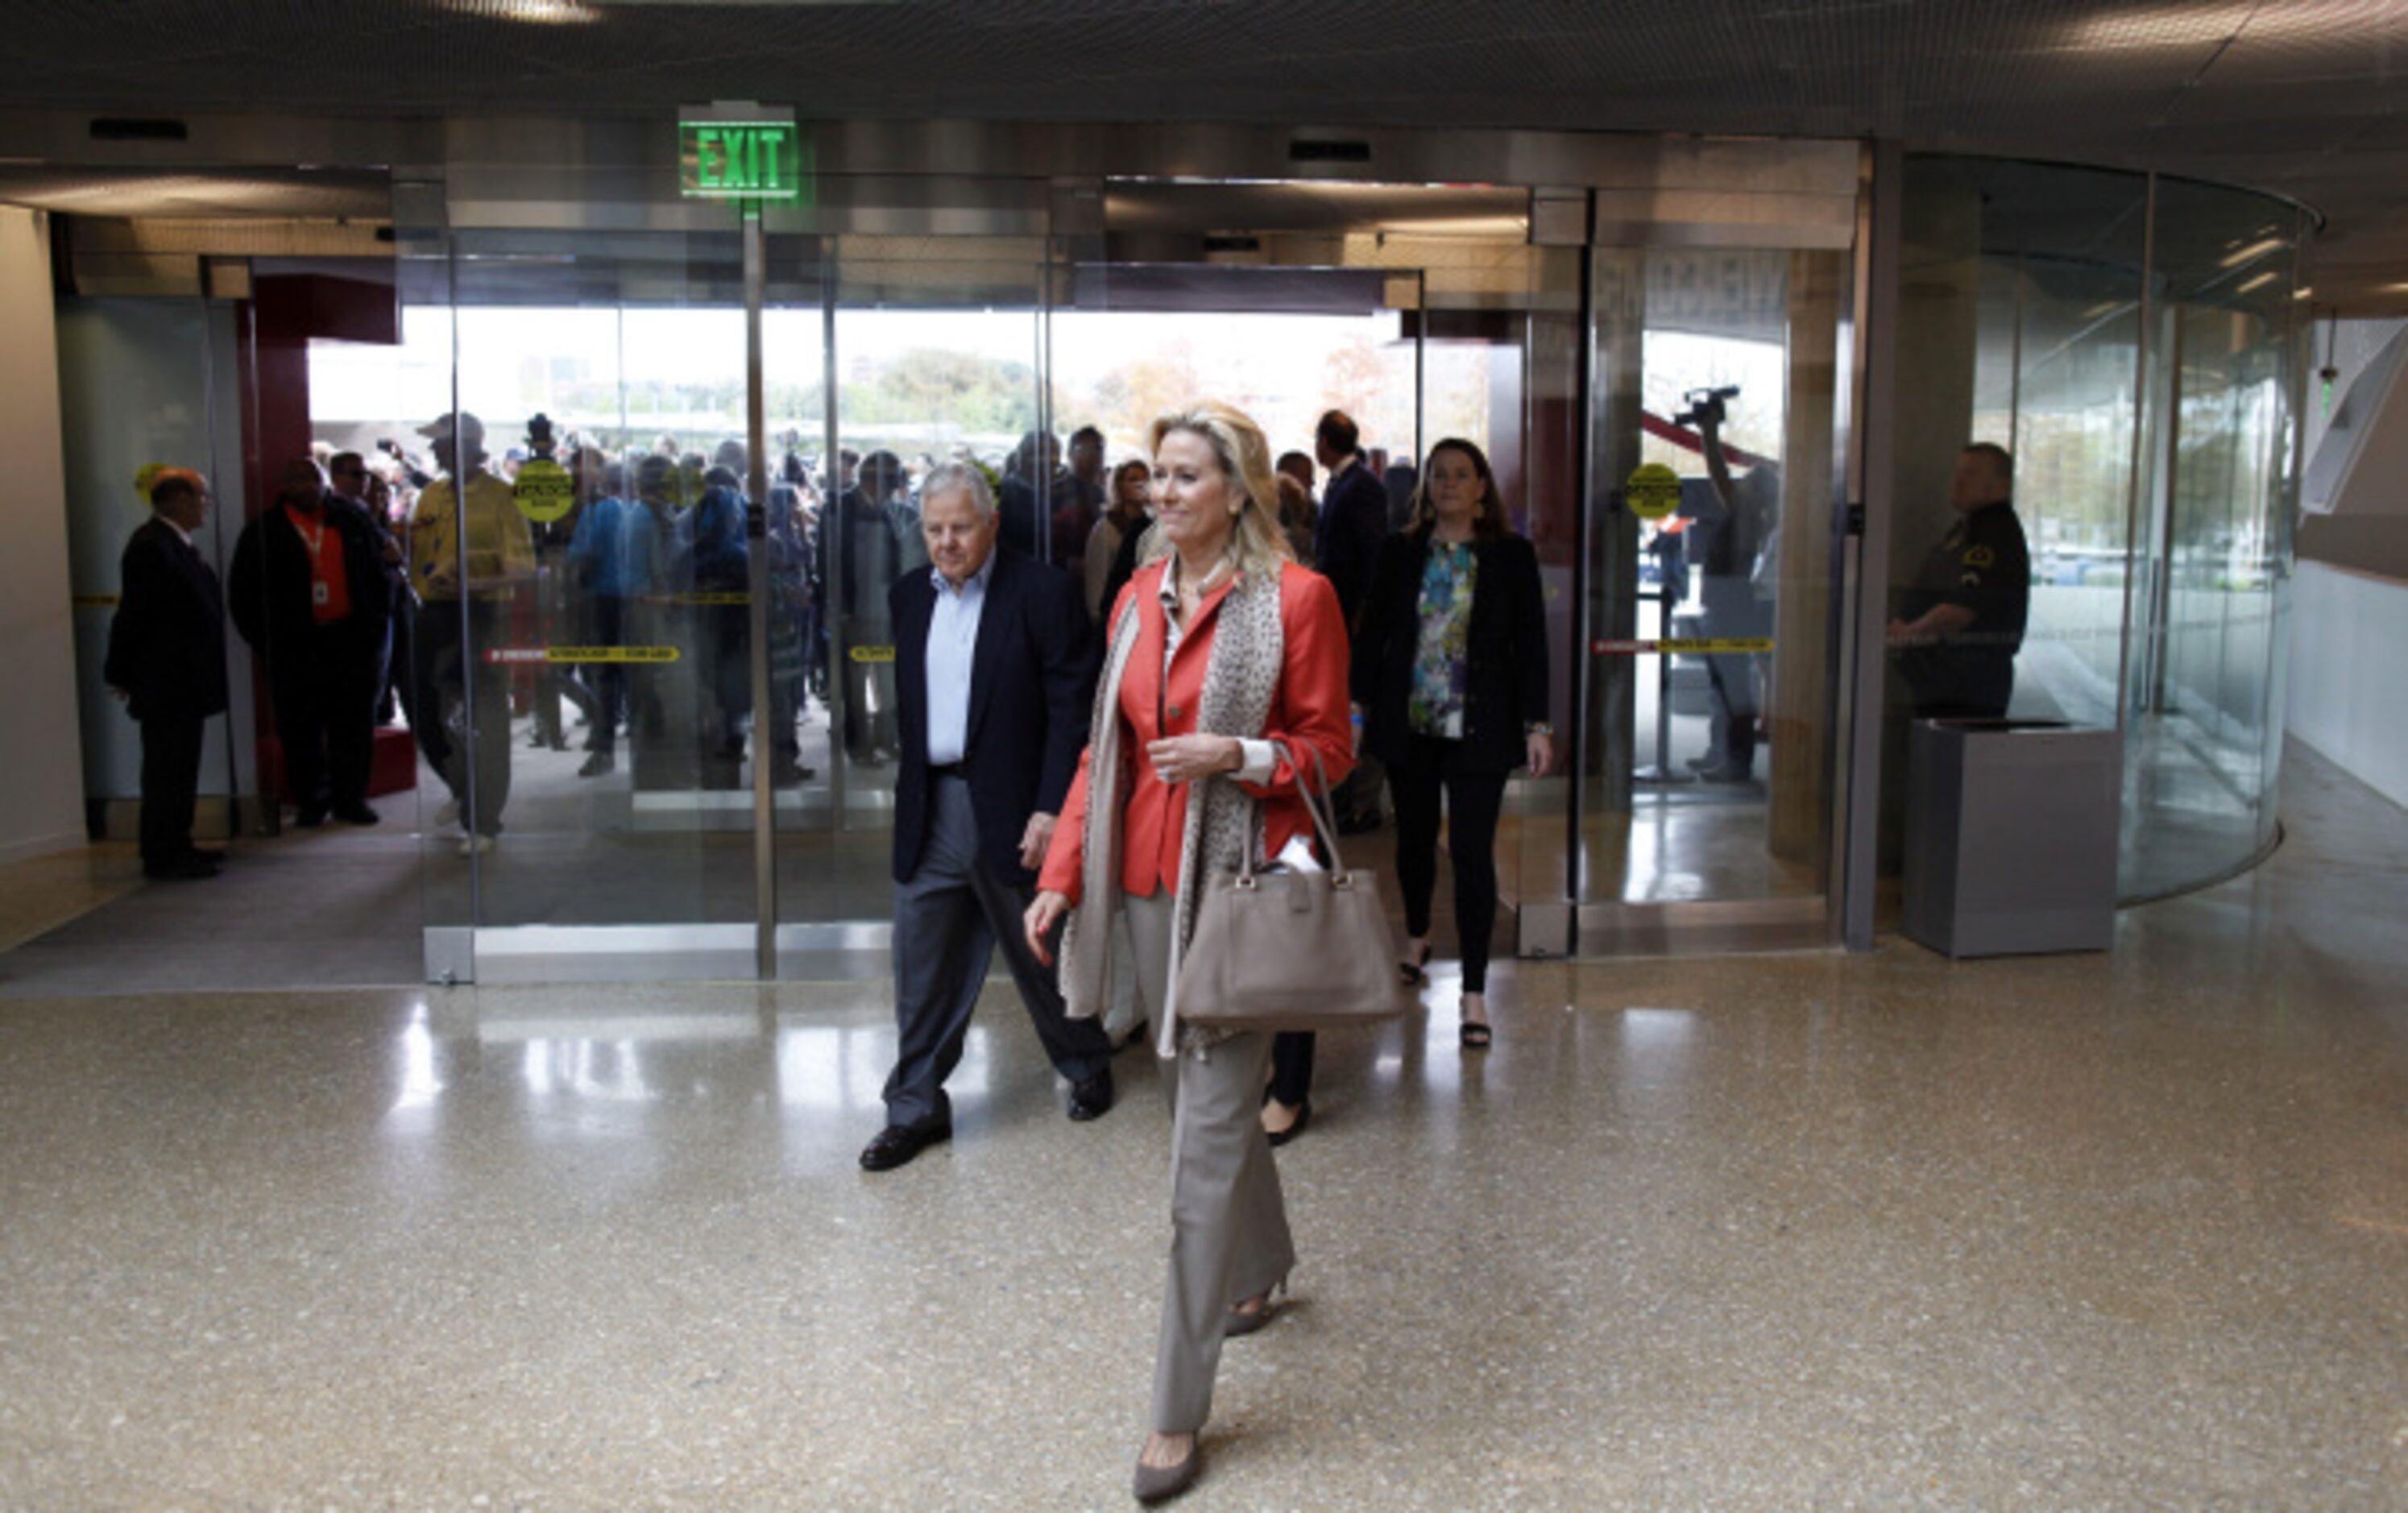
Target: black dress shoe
{"type": "Point", "coordinates": [1091, 1099]}
{"type": "Point", "coordinates": [357, 814]}
{"type": "Point", "coordinates": [181, 869]}
{"type": "Point", "coordinates": [1303, 1117]}
{"type": "Point", "coordinates": [899, 1142]}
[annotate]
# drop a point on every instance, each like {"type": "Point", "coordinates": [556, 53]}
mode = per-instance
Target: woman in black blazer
{"type": "Point", "coordinates": [1451, 673]}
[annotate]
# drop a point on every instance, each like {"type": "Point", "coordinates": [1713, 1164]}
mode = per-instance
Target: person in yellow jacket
{"type": "Point", "coordinates": [470, 552]}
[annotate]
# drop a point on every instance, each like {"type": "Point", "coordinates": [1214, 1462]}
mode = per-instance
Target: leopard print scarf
{"type": "Point", "coordinates": [1242, 673]}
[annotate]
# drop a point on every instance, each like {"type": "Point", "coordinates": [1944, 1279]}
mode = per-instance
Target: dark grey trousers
{"type": "Point", "coordinates": [948, 921]}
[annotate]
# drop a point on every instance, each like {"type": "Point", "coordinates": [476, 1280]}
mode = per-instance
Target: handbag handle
{"type": "Point", "coordinates": [1318, 805]}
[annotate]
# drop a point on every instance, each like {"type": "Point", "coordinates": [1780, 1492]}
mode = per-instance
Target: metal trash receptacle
{"type": "Point", "coordinates": [2011, 837]}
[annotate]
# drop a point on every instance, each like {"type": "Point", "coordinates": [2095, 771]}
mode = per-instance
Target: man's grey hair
{"type": "Point", "coordinates": [959, 478]}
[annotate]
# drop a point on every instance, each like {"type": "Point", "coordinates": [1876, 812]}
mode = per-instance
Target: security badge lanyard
{"type": "Point", "coordinates": [316, 535]}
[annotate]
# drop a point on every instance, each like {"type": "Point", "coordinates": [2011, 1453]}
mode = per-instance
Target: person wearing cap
{"type": "Point", "coordinates": [309, 593]}
{"type": "Point", "coordinates": [469, 550]}
{"type": "Point", "coordinates": [166, 660]}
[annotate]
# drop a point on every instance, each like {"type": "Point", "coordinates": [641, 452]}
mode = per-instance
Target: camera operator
{"type": "Point", "coordinates": [1723, 538]}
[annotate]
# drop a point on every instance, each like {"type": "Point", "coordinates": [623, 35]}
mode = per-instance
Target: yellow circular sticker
{"type": "Point", "coordinates": [543, 490]}
{"type": "Point", "coordinates": [1653, 491]}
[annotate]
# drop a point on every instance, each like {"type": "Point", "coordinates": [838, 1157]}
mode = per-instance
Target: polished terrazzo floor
{"type": "Point", "coordinates": [1805, 1231]}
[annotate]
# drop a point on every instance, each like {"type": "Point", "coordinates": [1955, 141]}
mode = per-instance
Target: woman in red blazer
{"type": "Point", "coordinates": [1219, 648]}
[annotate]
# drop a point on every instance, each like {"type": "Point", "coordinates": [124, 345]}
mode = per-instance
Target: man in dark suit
{"type": "Point", "coordinates": [1353, 516]}
{"type": "Point", "coordinates": [311, 594]}
{"type": "Point", "coordinates": [1345, 543]}
{"type": "Point", "coordinates": [993, 677]}
{"type": "Point", "coordinates": [166, 659]}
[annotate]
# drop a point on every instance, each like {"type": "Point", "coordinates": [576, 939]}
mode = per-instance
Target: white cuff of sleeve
{"type": "Point", "coordinates": [1261, 759]}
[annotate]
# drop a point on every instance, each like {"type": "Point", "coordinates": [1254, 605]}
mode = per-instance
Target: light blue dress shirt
{"type": "Point", "coordinates": [953, 645]}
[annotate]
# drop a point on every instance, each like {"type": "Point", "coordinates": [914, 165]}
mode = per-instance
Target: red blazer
{"type": "Point", "coordinates": [1309, 707]}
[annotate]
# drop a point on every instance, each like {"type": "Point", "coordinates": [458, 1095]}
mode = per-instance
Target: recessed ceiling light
{"type": "Point", "coordinates": [2259, 282]}
{"type": "Point", "coordinates": [533, 12]}
{"type": "Point", "coordinates": [2250, 253]}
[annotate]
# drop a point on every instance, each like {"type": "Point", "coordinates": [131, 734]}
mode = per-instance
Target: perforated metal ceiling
{"type": "Point", "coordinates": [2299, 96]}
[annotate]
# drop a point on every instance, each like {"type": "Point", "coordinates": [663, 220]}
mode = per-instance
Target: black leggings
{"type": "Point", "coordinates": [1474, 796]}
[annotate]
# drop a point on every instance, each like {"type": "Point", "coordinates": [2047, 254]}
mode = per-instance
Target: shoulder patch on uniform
{"type": "Point", "coordinates": [1980, 557]}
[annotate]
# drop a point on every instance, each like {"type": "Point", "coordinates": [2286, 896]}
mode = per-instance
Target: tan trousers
{"type": "Point", "coordinates": [1229, 1239]}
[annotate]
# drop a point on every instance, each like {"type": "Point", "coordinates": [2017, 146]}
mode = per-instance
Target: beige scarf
{"type": "Point", "coordinates": [1241, 672]}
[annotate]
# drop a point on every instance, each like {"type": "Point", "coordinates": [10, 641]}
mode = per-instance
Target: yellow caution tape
{"type": "Point", "coordinates": [581, 654]}
{"type": "Point", "coordinates": [1683, 644]}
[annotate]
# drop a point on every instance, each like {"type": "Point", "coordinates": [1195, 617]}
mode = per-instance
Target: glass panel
{"type": "Point", "coordinates": [935, 360]}
{"type": "Point", "coordinates": [1532, 409]}
{"type": "Point", "coordinates": [2157, 598]}
{"type": "Point", "coordinates": [583, 709]}
{"type": "Point", "coordinates": [2203, 739]}
{"type": "Point", "coordinates": [145, 383]}
{"type": "Point", "coordinates": [2021, 325]}
{"type": "Point", "coordinates": [1708, 767]}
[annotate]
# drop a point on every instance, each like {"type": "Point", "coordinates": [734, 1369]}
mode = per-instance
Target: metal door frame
{"type": "Point", "coordinates": [1862, 400]}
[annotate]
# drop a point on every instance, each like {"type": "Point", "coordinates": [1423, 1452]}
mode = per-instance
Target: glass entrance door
{"type": "Point", "coordinates": [901, 362]}
{"type": "Point", "coordinates": [1705, 812]}
{"type": "Point", "coordinates": [606, 792]}
{"type": "Point", "coordinates": [570, 443]}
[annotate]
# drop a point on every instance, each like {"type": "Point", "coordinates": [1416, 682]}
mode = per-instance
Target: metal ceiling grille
{"type": "Point", "coordinates": [2297, 96]}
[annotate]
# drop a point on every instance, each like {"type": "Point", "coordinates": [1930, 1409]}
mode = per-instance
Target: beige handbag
{"type": "Point", "coordinates": [1290, 950]}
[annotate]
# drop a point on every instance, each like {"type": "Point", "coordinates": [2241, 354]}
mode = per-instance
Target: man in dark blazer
{"type": "Point", "coordinates": [994, 676]}
{"type": "Point", "coordinates": [1345, 544]}
{"type": "Point", "coordinates": [166, 659]}
{"type": "Point", "coordinates": [312, 594]}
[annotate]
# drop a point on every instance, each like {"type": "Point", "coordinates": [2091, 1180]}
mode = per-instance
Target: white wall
{"type": "Point", "coordinates": [2349, 628]}
{"type": "Point", "coordinates": [2349, 636]}
{"type": "Point", "coordinates": [41, 754]}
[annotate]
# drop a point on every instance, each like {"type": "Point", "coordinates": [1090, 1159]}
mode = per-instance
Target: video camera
{"type": "Point", "coordinates": [1706, 405]}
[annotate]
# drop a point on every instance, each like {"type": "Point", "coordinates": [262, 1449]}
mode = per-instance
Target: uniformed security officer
{"type": "Point", "coordinates": [1961, 621]}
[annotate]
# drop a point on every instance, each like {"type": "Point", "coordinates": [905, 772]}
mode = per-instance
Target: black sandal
{"type": "Point", "coordinates": [1476, 1035]}
{"type": "Point", "coordinates": [1412, 972]}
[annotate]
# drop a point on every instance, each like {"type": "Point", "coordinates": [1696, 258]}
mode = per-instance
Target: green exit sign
{"type": "Point", "coordinates": [741, 160]}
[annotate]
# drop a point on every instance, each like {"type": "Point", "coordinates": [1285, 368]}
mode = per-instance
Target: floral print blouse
{"type": "Point", "coordinates": [1442, 671]}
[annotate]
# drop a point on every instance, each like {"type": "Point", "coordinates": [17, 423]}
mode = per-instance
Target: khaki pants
{"type": "Point", "coordinates": [1229, 1236]}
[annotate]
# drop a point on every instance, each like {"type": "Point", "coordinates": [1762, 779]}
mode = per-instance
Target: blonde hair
{"type": "Point", "coordinates": [1257, 543]}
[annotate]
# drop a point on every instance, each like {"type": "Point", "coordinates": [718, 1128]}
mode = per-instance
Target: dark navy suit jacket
{"type": "Point", "coordinates": [1346, 540]}
{"type": "Point", "coordinates": [1032, 683]}
{"type": "Point", "coordinates": [167, 645]}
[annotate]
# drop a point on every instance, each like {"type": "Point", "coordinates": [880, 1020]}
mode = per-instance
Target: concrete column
{"type": "Point", "coordinates": [1796, 705]}
{"type": "Point", "coordinates": [1938, 332]}
{"type": "Point", "coordinates": [41, 748]}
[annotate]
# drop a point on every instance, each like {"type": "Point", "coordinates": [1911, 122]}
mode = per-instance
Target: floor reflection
{"type": "Point", "coordinates": [820, 1053]}
{"type": "Point", "coordinates": [1934, 1221]}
